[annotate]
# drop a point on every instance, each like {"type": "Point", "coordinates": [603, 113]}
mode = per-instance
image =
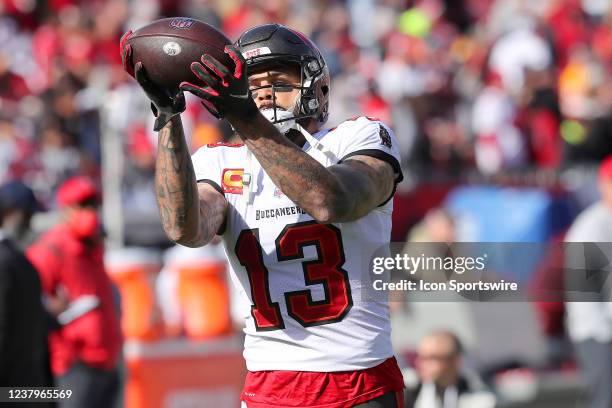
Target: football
{"type": "Point", "coordinates": [167, 47]}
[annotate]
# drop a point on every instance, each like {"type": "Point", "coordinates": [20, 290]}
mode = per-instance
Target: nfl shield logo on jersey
{"type": "Point", "coordinates": [277, 192]}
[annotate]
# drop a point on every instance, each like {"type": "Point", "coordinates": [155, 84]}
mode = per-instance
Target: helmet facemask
{"type": "Point", "coordinates": [306, 105]}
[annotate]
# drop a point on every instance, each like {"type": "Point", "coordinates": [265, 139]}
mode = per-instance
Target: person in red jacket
{"type": "Point", "coordinates": [85, 350]}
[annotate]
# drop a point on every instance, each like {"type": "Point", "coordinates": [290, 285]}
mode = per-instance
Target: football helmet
{"type": "Point", "coordinates": [272, 45]}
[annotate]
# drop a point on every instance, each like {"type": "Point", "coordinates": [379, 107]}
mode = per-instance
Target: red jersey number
{"type": "Point", "coordinates": [325, 270]}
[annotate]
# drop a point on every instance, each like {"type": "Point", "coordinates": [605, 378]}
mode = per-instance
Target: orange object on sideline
{"type": "Point", "coordinates": [204, 298]}
{"type": "Point", "coordinates": [133, 271]}
{"type": "Point", "coordinates": [184, 373]}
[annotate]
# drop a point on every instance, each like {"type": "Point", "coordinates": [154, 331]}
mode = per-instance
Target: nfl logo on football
{"type": "Point", "coordinates": [181, 23]}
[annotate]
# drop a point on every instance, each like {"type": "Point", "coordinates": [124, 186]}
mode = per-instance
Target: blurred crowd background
{"type": "Point", "coordinates": [471, 86]}
{"type": "Point", "coordinates": [502, 108]}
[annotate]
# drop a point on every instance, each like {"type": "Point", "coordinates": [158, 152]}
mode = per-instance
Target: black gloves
{"type": "Point", "coordinates": [224, 92]}
{"type": "Point", "coordinates": [163, 104]}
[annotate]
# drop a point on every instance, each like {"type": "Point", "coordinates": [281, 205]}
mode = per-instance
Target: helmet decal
{"type": "Point", "coordinates": [256, 52]}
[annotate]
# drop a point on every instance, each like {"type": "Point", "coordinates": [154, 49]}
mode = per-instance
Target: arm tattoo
{"type": "Point", "coordinates": [300, 177]}
{"type": "Point", "coordinates": [372, 181]}
{"type": "Point", "coordinates": [297, 175]}
{"type": "Point", "coordinates": [177, 192]}
{"type": "Point", "coordinates": [213, 208]}
{"type": "Point", "coordinates": [327, 194]}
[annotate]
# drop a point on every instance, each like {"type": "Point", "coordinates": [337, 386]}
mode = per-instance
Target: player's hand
{"type": "Point", "coordinates": [164, 104]}
{"type": "Point", "coordinates": [225, 93]}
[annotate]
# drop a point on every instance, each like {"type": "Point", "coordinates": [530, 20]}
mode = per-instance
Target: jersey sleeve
{"type": "Point", "coordinates": [206, 164]}
{"type": "Point", "coordinates": [370, 137]}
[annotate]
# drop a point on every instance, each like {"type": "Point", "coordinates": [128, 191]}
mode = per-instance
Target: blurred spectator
{"type": "Point", "coordinates": [589, 323]}
{"type": "Point", "coordinates": [499, 143]}
{"type": "Point", "coordinates": [586, 102]}
{"type": "Point", "coordinates": [437, 226]}
{"type": "Point", "coordinates": [24, 360]}
{"type": "Point", "coordinates": [432, 236]}
{"type": "Point", "coordinates": [539, 118]}
{"type": "Point", "coordinates": [519, 49]}
{"type": "Point", "coordinates": [440, 382]}
{"type": "Point", "coordinates": [18, 204]}
{"type": "Point", "coordinates": [69, 258]}
{"type": "Point", "coordinates": [12, 86]}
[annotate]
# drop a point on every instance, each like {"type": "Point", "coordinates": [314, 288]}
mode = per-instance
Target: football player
{"type": "Point", "coordinates": [300, 210]}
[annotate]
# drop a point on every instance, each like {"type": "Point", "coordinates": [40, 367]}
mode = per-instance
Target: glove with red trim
{"type": "Point", "coordinates": [224, 92]}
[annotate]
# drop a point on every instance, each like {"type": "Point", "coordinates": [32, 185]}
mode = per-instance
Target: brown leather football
{"type": "Point", "coordinates": [167, 47]}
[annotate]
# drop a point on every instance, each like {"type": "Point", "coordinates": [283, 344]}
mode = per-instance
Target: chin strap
{"type": "Point", "coordinates": [316, 144]}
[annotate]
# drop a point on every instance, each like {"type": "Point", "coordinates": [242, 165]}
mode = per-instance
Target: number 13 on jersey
{"type": "Point", "coordinates": [325, 270]}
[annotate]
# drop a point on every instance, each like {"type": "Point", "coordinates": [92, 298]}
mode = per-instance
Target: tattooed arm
{"type": "Point", "coordinates": [340, 193]}
{"type": "Point", "coordinates": [191, 212]}
{"type": "Point", "coordinates": [343, 192]}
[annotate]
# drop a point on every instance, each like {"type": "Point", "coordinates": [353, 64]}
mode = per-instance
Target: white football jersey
{"type": "Point", "coordinates": [304, 279]}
